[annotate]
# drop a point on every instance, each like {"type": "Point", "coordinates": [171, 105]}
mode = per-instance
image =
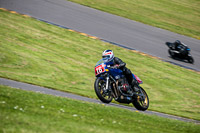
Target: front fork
{"type": "Point", "coordinates": [107, 83]}
{"type": "Point", "coordinates": [141, 95]}
{"type": "Point", "coordinates": [108, 87]}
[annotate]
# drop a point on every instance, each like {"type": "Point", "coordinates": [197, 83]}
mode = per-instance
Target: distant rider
{"type": "Point", "coordinates": [180, 47]}
{"type": "Point", "coordinates": [108, 56]}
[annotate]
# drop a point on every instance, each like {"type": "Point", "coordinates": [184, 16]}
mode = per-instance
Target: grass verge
{"type": "Point", "coordinates": [23, 111]}
{"type": "Point", "coordinates": [177, 16]}
{"type": "Point", "coordinates": [38, 53]}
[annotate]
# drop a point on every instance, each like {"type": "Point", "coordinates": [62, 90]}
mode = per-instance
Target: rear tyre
{"type": "Point", "coordinates": [101, 92]}
{"type": "Point", "coordinates": [141, 101]}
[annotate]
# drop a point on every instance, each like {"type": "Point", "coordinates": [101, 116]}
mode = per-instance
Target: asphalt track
{"type": "Point", "coordinates": [108, 27]}
{"type": "Point", "coordinates": [30, 87]}
{"type": "Point", "coordinates": [111, 28]}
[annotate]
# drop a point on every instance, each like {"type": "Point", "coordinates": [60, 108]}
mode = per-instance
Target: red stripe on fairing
{"type": "Point", "coordinates": [138, 79]}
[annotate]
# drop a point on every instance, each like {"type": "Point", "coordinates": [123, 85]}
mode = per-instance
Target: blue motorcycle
{"type": "Point", "coordinates": [111, 84]}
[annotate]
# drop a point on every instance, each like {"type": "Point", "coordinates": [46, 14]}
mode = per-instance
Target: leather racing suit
{"type": "Point", "coordinates": [127, 72]}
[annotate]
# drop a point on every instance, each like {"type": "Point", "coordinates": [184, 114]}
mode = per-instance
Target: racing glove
{"type": "Point", "coordinates": [115, 66]}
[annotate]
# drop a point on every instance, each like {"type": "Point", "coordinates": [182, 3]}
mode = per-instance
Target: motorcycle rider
{"type": "Point", "coordinates": [108, 56]}
{"type": "Point", "coordinates": [180, 47]}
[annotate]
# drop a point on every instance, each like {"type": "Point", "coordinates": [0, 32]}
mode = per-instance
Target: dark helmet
{"type": "Point", "coordinates": [178, 42]}
{"type": "Point", "coordinates": [107, 55]}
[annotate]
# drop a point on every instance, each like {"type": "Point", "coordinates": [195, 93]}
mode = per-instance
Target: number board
{"type": "Point", "coordinates": [99, 69]}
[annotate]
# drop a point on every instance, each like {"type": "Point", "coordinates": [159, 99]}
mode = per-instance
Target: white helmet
{"type": "Point", "coordinates": [107, 55]}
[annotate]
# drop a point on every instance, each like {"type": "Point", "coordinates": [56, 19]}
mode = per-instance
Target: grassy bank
{"type": "Point", "coordinates": [177, 16]}
{"type": "Point", "coordinates": [22, 111]}
{"type": "Point", "coordinates": [35, 52]}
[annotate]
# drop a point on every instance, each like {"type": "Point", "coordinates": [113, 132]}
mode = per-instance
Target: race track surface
{"type": "Point", "coordinates": [131, 34]}
{"type": "Point", "coordinates": [29, 87]}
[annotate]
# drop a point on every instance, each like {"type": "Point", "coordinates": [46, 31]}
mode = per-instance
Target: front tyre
{"type": "Point", "coordinates": [141, 100]}
{"type": "Point", "coordinates": [101, 92]}
{"type": "Point", "coordinates": [190, 59]}
{"type": "Point", "coordinates": [171, 53]}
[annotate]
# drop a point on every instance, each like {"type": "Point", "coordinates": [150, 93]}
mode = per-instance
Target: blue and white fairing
{"type": "Point", "coordinates": [102, 66]}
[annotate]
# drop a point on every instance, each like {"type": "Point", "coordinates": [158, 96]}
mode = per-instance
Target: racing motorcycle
{"type": "Point", "coordinates": [183, 53]}
{"type": "Point", "coordinates": [111, 84]}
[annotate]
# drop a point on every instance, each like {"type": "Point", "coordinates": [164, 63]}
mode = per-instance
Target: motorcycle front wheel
{"type": "Point", "coordinates": [171, 53]}
{"type": "Point", "coordinates": [190, 59]}
{"type": "Point", "coordinates": [101, 92]}
{"type": "Point", "coordinates": [141, 100]}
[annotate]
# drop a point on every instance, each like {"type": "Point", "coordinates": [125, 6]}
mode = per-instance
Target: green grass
{"type": "Point", "coordinates": [180, 16]}
{"type": "Point", "coordinates": [38, 53]}
{"type": "Point", "coordinates": [23, 111]}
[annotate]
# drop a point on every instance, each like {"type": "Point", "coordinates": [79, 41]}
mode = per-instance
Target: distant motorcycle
{"type": "Point", "coordinates": [183, 52]}
{"type": "Point", "coordinates": [111, 84]}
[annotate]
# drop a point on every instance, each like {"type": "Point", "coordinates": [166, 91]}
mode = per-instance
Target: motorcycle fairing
{"type": "Point", "coordinates": [116, 73]}
{"type": "Point", "coordinates": [99, 69]}
{"type": "Point", "coordinates": [137, 78]}
{"type": "Point", "coordinates": [102, 67]}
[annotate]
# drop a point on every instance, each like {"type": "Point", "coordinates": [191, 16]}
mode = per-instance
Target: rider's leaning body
{"type": "Point", "coordinates": [180, 47]}
{"type": "Point", "coordinates": [108, 55]}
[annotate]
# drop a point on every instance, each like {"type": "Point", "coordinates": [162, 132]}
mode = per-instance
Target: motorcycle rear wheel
{"type": "Point", "coordinates": [102, 94]}
{"type": "Point", "coordinates": [141, 102]}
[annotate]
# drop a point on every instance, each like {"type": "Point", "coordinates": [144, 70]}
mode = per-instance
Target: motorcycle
{"type": "Point", "coordinates": [111, 84]}
{"type": "Point", "coordinates": [183, 53]}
